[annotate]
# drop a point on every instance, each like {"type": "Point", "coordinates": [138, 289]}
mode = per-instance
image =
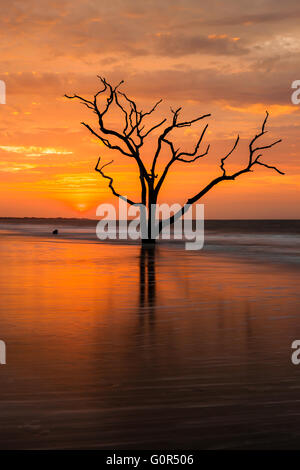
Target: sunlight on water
{"type": "Point", "coordinates": [121, 347]}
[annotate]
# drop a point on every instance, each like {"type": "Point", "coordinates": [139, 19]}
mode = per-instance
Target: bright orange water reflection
{"type": "Point", "coordinates": [118, 347]}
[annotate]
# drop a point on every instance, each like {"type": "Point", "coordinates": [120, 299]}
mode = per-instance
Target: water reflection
{"type": "Point", "coordinates": [147, 279]}
{"type": "Point", "coordinates": [140, 347]}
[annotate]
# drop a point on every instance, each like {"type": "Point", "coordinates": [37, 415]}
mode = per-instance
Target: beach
{"type": "Point", "coordinates": [115, 346]}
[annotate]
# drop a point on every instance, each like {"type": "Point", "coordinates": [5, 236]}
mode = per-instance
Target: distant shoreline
{"type": "Point", "coordinates": [258, 241]}
{"type": "Point", "coordinates": [291, 226]}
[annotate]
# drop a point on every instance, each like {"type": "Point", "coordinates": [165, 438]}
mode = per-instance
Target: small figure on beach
{"type": "Point", "coordinates": [55, 232]}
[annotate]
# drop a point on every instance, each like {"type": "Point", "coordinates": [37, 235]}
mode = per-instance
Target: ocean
{"type": "Point", "coordinates": [111, 345]}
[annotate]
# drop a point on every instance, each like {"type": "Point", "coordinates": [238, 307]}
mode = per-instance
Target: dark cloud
{"type": "Point", "coordinates": [201, 85]}
{"type": "Point", "coordinates": [211, 85]}
{"type": "Point", "coordinates": [181, 44]}
{"type": "Point", "coordinates": [264, 17]}
{"type": "Point", "coordinates": [118, 31]}
{"type": "Point", "coordinates": [169, 28]}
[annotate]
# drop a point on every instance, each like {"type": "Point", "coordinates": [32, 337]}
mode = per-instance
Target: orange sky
{"type": "Point", "coordinates": [228, 58]}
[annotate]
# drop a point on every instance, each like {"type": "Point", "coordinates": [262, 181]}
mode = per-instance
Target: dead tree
{"type": "Point", "coordinates": [131, 139]}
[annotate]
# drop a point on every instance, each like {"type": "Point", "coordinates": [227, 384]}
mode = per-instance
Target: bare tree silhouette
{"type": "Point", "coordinates": [131, 139]}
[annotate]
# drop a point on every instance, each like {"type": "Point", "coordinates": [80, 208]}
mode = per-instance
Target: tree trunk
{"type": "Point", "coordinates": [151, 218]}
{"type": "Point", "coordinates": [148, 241]}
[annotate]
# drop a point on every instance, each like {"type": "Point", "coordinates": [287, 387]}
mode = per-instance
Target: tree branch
{"type": "Point", "coordinates": [252, 150]}
{"type": "Point", "coordinates": [179, 156]}
{"type": "Point", "coordinates": [132, 150]}
{"type": "Point", "coordinates": [105, 141]}
{"type": "Point", "coordinates": [175, 124]}
{"type": "Point", "coordinates": [110, 185]}
{"type": "Point", "coordinates": [228, 154]}
{"type": "Point", "coordinates": [192, 154]}
{"type": "Point", "coordinates": [225, 176]}
{"type": "Point", "coordinates": [129, 141]}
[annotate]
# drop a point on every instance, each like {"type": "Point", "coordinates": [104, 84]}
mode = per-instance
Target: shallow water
{"type": "Point", "coordinates": [114, 347]}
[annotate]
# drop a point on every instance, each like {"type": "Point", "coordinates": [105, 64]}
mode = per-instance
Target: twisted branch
{"type": "Point", "coordinates": [129, 141]}
{"type": "Point", "coordinates": [225, 177]}
{"type": "Point", "coordinates": [111, 181]}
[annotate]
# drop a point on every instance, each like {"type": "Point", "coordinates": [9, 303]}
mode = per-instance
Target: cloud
{"type": "Point", "coordinates": [264, 17]}
{"type": "Point", "coordinates": [33, 151]}
{"type": "Point", "coordinates": [179, 45]}
{"type": "Point", "coordinates": [167, 28]}
{"type": "Point", "coordinates": [9, 167]}
{"type": "Point", "coordinates": [261, 82]}
{"type": "Point", "coordinates": [232, 58]}
{"type": "Point", "coordinates": [213, 86]}
{"type": "Point", "coordinates": [260, 108]}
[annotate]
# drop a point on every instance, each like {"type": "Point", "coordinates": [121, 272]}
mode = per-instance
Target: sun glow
{"type": "Point", "coordinates": [81, 206]}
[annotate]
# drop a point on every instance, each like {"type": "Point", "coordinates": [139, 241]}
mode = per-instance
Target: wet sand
{"type": "Point", "coordinates": [110, 346]}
